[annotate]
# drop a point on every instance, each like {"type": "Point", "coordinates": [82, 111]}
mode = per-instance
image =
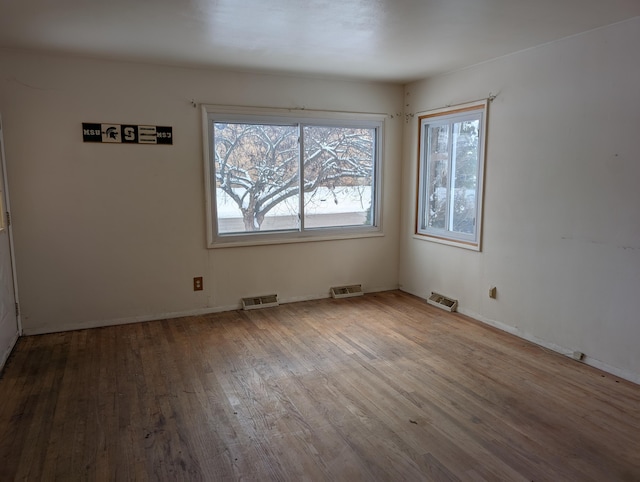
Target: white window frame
{"type": "Point", "coordinates": [215, 113]}
{"type": "Point", "coordinates": [447, 236]}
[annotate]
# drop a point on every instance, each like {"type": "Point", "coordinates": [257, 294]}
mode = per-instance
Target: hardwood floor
{"type": "Point", "coordinates": [382, 387]}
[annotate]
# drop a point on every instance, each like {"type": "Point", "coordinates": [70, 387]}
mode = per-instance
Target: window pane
{"type": "Point", "coordinates": [338, 176]}
{"type": "Point", "coordinates": [438, 154]}
{"type": "Point", "coordinates": [464, 185]}
{"type": "Point", "coordinates": [257, 184]}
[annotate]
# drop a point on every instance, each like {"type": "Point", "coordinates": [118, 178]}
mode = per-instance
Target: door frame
{"type": "Point", "coordinates": [7, 206]}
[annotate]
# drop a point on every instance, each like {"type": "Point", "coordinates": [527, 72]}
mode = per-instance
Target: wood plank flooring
{"type": "Point", "coordinates": [381, 387]}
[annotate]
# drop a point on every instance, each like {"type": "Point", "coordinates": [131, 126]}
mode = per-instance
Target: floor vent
{"type": "Point", "coordinates": [256, 302]}
{"type": "Point", "coordinates": [441, 301]}
{"type": "Point", "coordinates": [346, 291]}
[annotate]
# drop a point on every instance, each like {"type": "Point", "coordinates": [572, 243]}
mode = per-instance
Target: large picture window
{"type": "Point", "coordinates": [451, 166]}
{"type": "Point", "coordinates": [278, 176]}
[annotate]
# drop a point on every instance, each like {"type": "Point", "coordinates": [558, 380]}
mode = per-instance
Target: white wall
{"type": "Point", "coordinates": [115, 233]}
{"type": "Point", "coordinates": [562, 197]}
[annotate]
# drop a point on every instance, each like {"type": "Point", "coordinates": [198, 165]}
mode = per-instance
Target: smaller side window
{"type": "Point", "coordinates": [451, 167]}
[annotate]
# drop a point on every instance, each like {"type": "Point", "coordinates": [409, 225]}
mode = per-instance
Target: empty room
{"type": "Point", "coordinates": [358, 240]}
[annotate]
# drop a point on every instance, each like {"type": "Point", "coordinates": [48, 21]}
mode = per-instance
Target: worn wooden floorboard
{"type": "Point", "coordinates": [380, 387]}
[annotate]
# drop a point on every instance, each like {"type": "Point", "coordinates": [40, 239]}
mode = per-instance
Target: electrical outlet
{"type": "Point", "coordinates": [493, 292]}
{"type": "Point", "coordinates": [197, 283]}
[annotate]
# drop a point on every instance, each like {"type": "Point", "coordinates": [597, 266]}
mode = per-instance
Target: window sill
{"type": "Point", "coordinates": [280, 238]}
{"type": "Point", "coordinates": [449, 242]}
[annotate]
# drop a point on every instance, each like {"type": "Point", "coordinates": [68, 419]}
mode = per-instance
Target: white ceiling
{"type": "Point", "coordinates": [384, 40]}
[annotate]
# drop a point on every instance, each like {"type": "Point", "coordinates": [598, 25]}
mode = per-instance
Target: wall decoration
{"type": "Point", "coordinates": [126, 134]}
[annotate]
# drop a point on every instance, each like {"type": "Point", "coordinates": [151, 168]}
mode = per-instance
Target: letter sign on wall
{"type": "Point", "coordinates": [126, 134]}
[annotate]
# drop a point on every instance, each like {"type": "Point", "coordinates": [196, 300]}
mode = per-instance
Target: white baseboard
{"type": "Point", "coordinates": [619, 372]}
{"type": "Point", "coordinates": [327, 294]}
{"type": "Point", "coordinates": [587, 360]}
{"type": "Point", "coordinates": [7, 352]}
{"type": "Point", "coordinates": [127, 320]}
{"type": "Point", "coordinates": [176, 314]}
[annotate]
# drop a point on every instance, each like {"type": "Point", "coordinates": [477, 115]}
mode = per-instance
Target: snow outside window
{"type": "Point", "coordinates": [277, 176]}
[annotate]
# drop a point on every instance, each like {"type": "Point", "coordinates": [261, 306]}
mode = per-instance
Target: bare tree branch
{"type": "Point", "coordinates": [257, 166]}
